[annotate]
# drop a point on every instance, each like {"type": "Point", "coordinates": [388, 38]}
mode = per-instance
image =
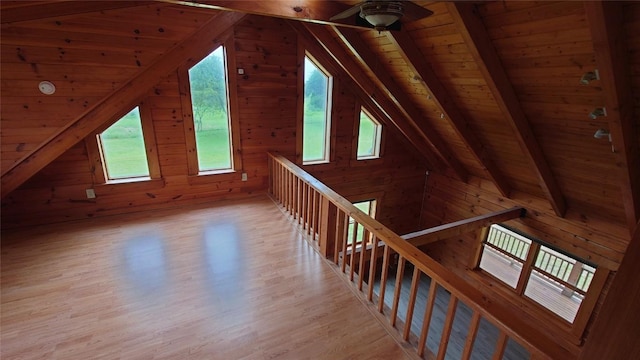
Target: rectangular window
{"type": "Point", "coordinates": [316, 114]}
{"type": "Point", "coordinates": [122, 148]}
{"type": "Point", "coordinates": [504, 254]}
{"type": "Point", "coordinates": [555, 280]}
{"type": "Point", "coordinates": [209, 101]}
{"type": "Point", "coordinates": [555, 273]}
{"type": "Point", "coordinates": [369, 135]}
{"type": "Point", "coordinates": [368, 207]}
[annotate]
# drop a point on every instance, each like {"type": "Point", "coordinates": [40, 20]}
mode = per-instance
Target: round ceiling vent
{"type": "Point", "coordinates": [47, 87]}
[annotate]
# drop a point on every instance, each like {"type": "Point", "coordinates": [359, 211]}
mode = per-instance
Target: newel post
{"type": "Point", "coordinates": [327, 227]}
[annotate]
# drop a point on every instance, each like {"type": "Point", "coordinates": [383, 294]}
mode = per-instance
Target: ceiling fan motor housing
{"type": "Point", "coordinates": [381, 14]}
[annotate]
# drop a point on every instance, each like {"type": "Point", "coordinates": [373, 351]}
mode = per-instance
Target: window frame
{"type": "Point", "coordinates": [377, 153]}
{"type": "Point", "coordinates": [372, 211]}
{"type": "Point", "coordinates": [195, 175]}
{"type": "Point", "coordinates": [576, 328]}
{"type": "Point", "coordinates": [98, 163]}
{"type": "Point", "coordinates": [329, 128]}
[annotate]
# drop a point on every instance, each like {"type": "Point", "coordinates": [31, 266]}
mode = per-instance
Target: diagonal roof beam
{"type": "Point", "coordinates": [607, 30]}
{"type": "Point", "coordinates": [118, 102]}
{"type": "Point", "coordinates": [37, 10]}
{"type": "Point", "coordinates": [362, 51]}
{"type": "Point", "coordinates": [315, 11]}
{"type": "Point", "coordinates": [414, 58]}
{"type": "Point", "coordinates": [319, 53]}
{"type": "Point", "coordinates": [379, 96]}
{"type": "Point", "coordinates": [481, 48]}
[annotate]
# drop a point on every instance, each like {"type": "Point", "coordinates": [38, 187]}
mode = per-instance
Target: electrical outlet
{"type": "Point", "coordinates": [91, 194]}
{"type": "Point", "coordinates": [244, 176]}
{"type": "Point", "coordinates": [240, 71]}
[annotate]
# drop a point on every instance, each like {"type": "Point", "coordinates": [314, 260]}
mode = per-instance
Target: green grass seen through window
{"type": "Point", "coordinates": [368, 137]}
{"type": "Point", "coordinates": [123, 148]}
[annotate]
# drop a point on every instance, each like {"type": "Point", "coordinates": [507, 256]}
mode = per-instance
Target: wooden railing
{"type": "Point", "coordinates": [325, 216]}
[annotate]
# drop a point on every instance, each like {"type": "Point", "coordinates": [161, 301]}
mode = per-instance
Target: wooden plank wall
{"type": "Point", "coordinates": [266, 50]}
{"type": "Point", "coordinates": [447, 199]}
{"type": "Point", "coordinates": [86, 57]}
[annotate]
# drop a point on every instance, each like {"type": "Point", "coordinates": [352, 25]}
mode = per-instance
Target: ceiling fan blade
{"type": "Point", "coordinates": [347, 13]}
{"type": "Point", "coordinates": [413, 12]}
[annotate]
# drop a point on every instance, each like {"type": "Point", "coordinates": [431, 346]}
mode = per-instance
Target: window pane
{"type": "Point", "coordinates": [315, 119]}
{"type": "Point", "coordinates": [553, 280]}
{"type": "Point", "coordinates": [504, 254]}
{"type": "Point", "coordinates": [123, 148]}
{"type": "Point", "coordinates": [368, 207]}
{"type": "Point", "coordinates": [368, 137]}
{"type": "Point", "coordinates": [210, 115]}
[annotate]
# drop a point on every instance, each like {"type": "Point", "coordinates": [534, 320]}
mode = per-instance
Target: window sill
{"type": "Point", "coordinates": [319, 165]}
{"type": "Point", "coordinates": [128, 180]}
{"type": "Point", "coordinates": [208, 177]}
{"type": "Point", "coordinates": [315, 162]}
{"type": "Point", "coordinates": [368, 161]}
{"type": "Point", "coordinates": [130, 184]}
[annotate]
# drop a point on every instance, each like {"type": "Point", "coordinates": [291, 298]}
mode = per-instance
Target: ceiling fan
{"type": "Point", "coordinates": [382, 15]}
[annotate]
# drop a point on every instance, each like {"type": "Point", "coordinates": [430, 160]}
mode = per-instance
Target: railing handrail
{"type": "Point", "coordinates": [500, 315]}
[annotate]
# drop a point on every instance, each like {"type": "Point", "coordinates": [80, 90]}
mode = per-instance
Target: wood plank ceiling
{"type": "Point", "coordinates": [489, 90]}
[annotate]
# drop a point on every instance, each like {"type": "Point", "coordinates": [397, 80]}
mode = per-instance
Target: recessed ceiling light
{"type": "Point", "coordinates": [47, 87]}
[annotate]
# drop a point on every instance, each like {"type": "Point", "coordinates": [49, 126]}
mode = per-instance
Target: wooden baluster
{"type": "Point", "coordinates": [308, 211]}
{"type": "Point", "coordinates": [340, 236]}
{"type": "Point", "coordinates": [286, 189]}
{"type": "Point", "coordinates": [328, 232]}
{"type": "Point", "coordinates": [321, 217]}
{"type": "Point", "coordinates": [471, 336]}
{"type": "Point", "coordinates": [290, 192]}
{"type": "Point", "coordinates": [305, 221]}
{"type": "Point", "coordinates": [296, 199]}
{"type": "Point", "coordinates": [500, 346]}
{"type": "Point", "coordinates": [415, 282]}
{"type": "Point", "coordinates": [345, 233]}
{"type": "Point", "coordinates": [294, 180]}
{"type": "Point", "coordinates": [363, 250]}
{"type": "Point", "coordinates": [431, 299]}
{"type": "Point", "coordinates": [270, 173]}
{"type": "Point", "coordinates": [282, 182]}
{"type": "Point", "coordinates": [448, 325]}
{"type": "Point", "coordinates": [352, 262]}
{"type": "Point", "coordinates": [396, 292]}
{"type": "Point", "coordinates": [303, 204]}
{"type": "Point", "coordinates": [300, 194]}
{"type": "Point", "coordinates": [292, 200]}
{"type": "Point", "coordinates": [383, 276]}
{"type": "Point", "coordinates": [316, 219]}
{"type": "Point", "coordinates": [276, 175]}
{"type": "Point", "coordinates": [372, 267]}
{"type": "Point", "coordinates": [313, 215]}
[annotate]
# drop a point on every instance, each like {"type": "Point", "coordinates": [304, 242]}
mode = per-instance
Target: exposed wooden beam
{"type": "Point", "coordinates": [414, 58]}
{"type": "Point", "coordinates": [373, 92]}
{"type": "Point", "coordinates": [311, 44]}
{"type": "Point", "coordinates": [456, 228]}
{"type": "Point", "coordinates": [484, 53]}
{"type": "Point", "coordinates": [367, 58]}
{"type": "Point", "coordinates": [607, 30]}
{"type": "Point", "coordinates": [316, 11]}
{"type": "Point", "coordinates": [36, 11]}
{"type": "Point", "coordinates": [120, 101]}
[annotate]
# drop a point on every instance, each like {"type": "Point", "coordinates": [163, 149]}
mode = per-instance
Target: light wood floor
{"type": "Point", "coordinates": [230, 281]}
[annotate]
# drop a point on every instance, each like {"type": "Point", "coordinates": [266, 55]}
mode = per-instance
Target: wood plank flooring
{"type": "Point", "coordinates": [233, 280]}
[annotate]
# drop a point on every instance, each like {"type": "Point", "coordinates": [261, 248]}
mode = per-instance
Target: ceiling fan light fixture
{"type": "Point", "coordinates": [381, 14]}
